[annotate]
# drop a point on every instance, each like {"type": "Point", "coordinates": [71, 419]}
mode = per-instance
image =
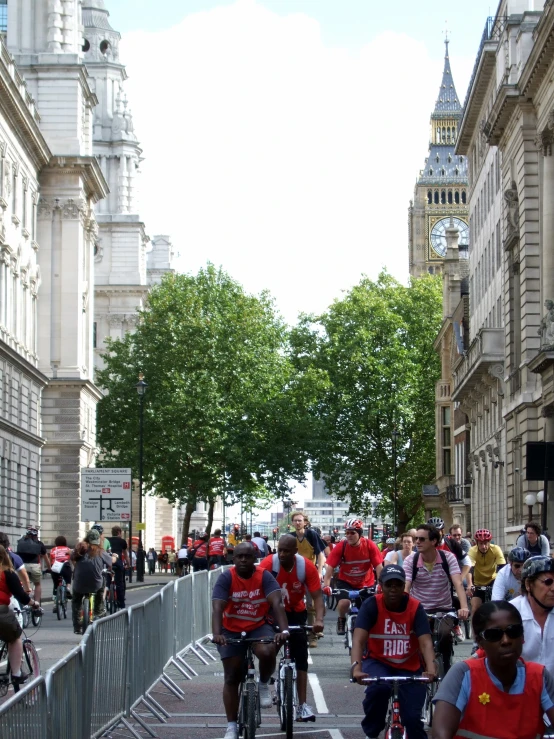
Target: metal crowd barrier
{"type": "Point", "coordinates": [120, 660]}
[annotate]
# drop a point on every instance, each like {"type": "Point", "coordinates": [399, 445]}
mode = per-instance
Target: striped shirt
{"type": "Point", "coordinates": [432, 589]}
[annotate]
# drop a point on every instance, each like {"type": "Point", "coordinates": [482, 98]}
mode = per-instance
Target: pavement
{"type": "Point", "coordinates": [199, 715]}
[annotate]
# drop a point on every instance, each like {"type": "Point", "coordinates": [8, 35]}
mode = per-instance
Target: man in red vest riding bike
{"type": "Point", "coordinates": [392, 629]}
{"type": "Point", "coordinates": [241, 600]}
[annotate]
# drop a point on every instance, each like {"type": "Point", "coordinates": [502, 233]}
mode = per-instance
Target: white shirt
{"type": "Point", "coordinates": [182, 553]}
{"type": "Point", "coordinates": [536, 648]}
{"type": "Point", "coordinates": [506, 585]}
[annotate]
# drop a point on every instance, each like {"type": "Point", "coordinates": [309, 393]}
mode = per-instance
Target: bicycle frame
{"type": "Point", "coordinates": [394, 728]}
{"type": "Point", "coordinates": [355, 597]}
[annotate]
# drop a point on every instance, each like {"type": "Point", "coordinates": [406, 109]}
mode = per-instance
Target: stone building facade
{"type": "Point", "coordinates": [503, 381]}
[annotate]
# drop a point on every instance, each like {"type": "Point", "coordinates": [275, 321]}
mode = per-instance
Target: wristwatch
{"type": "Point", "coordinates": [285, 631]}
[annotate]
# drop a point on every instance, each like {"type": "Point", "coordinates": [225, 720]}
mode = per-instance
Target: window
{"type": "Point", "coordinates": [3, 16]}
{"type": "Point", "coordinates": [464, 197]}
{"type": "Point", "coordinates": [429, 197]}
{"type": "Point", "coordinates": [498, 247]}
{"type": "Point", "coordinates": [94, 335]}
{"type": "Point", "coordinates": [446, 441]}
{"type": "Point", "coordinates": [450, 197]}
{"type": "Point", "coordinates": [457, 194]}
{"type": "Point", "coordinates": [443, 197]}
{"type": "Point", "coordinates": [436, 197]}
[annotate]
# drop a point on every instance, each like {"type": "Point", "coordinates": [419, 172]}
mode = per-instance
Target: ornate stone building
{"type": "Point", "coordinates": [503, 382]}
{"type": "Point", "coordinates": [441, 188]}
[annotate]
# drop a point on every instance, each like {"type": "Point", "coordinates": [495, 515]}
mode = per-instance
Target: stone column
{"type": "Point", "coordinates": [544, 141]}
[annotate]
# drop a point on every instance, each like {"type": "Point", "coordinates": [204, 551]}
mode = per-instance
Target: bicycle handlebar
{"type": "Point", "coordinates": [403, 679]}
{"type": "Point", "coordinates": [353, 594]}
{"type": "Point", "coordinates": [251, 640]}
{"type": "Point", "coordinates": [442, 614]}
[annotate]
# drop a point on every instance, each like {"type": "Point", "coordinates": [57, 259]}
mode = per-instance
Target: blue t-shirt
{"type": "Point", "coordinates": [16, 561]}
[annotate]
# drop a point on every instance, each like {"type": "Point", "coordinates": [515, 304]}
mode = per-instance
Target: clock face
{"type": "Point", "coordinates": [438, 234]}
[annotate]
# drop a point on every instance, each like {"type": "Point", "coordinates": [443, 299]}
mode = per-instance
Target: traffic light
{"type": "Point", "coordinates": [275, 534]}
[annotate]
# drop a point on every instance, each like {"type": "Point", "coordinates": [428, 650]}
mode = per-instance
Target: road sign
{"type": "Point", "coordinates": [140, 526]}
{"type": "Point", "coordinates": [106, 494]}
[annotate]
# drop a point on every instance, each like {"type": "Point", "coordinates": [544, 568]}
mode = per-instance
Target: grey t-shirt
{"type": "Point", "coordinates": [87, 577]}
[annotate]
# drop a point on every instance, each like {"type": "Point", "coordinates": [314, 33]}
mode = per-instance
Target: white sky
{"type": "Point", "coordinates": [288, 162]}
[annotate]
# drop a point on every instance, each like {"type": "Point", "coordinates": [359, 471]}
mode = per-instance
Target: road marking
{"type": "Point", "coordinates": [335, 734]}
{"type": "Point", "coordinates": [318, 693]}
{"type": "Point", "coordinates": [310, 660]}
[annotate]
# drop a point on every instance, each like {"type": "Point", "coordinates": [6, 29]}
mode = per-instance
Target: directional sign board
{"type": "Point", "coordinates": [106, 494]}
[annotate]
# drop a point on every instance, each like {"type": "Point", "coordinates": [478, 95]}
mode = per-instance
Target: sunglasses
{"type": "Point", "coordinates": [517, 565]}
{"type": "Point", "coordinates": [547, 581]}
{"type": "Point", "coordinates": [422, 538]}
{"type": "Point", "coordinates": [513, 631]}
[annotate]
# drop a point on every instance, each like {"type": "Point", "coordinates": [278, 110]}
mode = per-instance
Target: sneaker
{"type": "Point", "coordinates": [341, 626]}
{"type": "Point", "coordinates": [77, 631]}
{"type": "Point", "coordinates": [266, 701]}
{"type": "Point", "coordinates": [458, 633]}
{"type": "Point", "coordinates": [20, 679]}
{"type": "Point", "coordinates": [312, 642]}
{"type": "Point", "coordinates": [232, 732]}
{"type": "Point", "coordinates": [305, 713]}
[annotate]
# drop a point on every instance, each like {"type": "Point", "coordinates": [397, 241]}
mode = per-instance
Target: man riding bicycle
{"type": "Point", "coordinates": [430, 575]}
{"type": "Point", "coordinates": [241, 600]}
{"type": "Point", "coordinates": [486, 559]}
{"type": "Point", "coordinates": [32, 551]}
{"type": "Point", "coordinates": [391, 631]}
{"type": "Point", "coordinates": [296, 575]}
{"type": "Point", "coordinates": [356, 558]}
{"type": "Point", "coordinates": [507, 584]}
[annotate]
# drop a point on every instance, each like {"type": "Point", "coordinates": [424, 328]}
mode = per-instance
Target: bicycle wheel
{"type": "Point", "coordinates": [86, 613]}
{"type": "Point", "coordinates": [64, 601]}
{"type": "Point", "coordinates": [288, 704]}
{"type": "Point", "coordinates": [250, 713]}
{"type": "Point", "coordinates": [350, 632]}
{"type": "Point", "coordinates": [59, 597]}
{"type": "Point", "coordinates": [396, 733]}
{"type": "Point", "coordinates": [36, 617]}
{"type": "Point", "coordinates": [279, 699]}
{"type": "Point", "coordinates": [4, 677]}
{"type": "Point", "coordinates": [30, 662]}
{"type": "Point", "coordinates": [26, 616]}
{"type": "Point", "coordinates": [428, 706]}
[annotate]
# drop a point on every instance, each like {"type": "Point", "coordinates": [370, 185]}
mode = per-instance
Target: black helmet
{"type": "Point", "coordinates": [518, 554]}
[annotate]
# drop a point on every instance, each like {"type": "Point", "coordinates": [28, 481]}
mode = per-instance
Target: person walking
{"type": "Point", "coordinates": [141, 556]}
{"type": "Point", "coordinates": [151, 557]}
{"type": "Point", "coordinates": [118, 546]}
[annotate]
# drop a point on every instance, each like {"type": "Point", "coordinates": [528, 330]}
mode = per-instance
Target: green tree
{"type": "Point", "coordinates": [376, 348]}
{"type": "Point", "coordinates": [226, 411]}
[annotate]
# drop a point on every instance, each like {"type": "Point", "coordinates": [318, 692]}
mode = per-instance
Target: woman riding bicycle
{"type": "Point", "coordinates": [89, 559]}
{"type": "Point", "coordinates": [10, 630]}
{"type": "Point", "coordinates": [499, 696]}
{"type": "Point", "coordinates": [60, 567]}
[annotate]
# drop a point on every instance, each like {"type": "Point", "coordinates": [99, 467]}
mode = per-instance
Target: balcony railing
{"type": "Point", "coordinates": [491, 32]}
{"type": "Point", "coordinates": [486, 349]}
{"type": "Point", "coordinates": [457, 493]}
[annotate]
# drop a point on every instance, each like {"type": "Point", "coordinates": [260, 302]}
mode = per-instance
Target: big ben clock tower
{"type": "Point", "coordinates": [441, 189]}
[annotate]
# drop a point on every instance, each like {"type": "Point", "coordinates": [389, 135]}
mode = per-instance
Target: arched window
{"type": "Point", "coordinates": [457, 197]}
{"type": "Point", "coordinates": [443, 171]}
{"type": "Point", "coordinates": [443, 197]}
{"type": "Point", "coordinates": [453, 134]}
{"type": "Point", "coordinates": [436, 197]}
{"type": "Point", "coordinates": [429, 196]}
{"type": "Point", "coordinates": [430, 270]}
{"type": "Point", "coordinates": [443, 133]}
{"type": "Point", "coordinates": [437, 158]}
{"type": "Point", "coordinates": [450, 197]}
{"type": "Point", "coordinates": [448, 134]}
{"type": "Point", "coordinates": [464, 197]}
{"type": "Point", "coordinates": [430, 171]}
{"type": "Point", "coordinates": [438, 140]}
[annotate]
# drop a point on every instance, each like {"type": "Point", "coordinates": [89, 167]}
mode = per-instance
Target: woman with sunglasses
{"type": "Point", "coordinates": [507, 584]}
{"type": "Point", "coordinates": [536, 604]}
{"type": "Point", "coordinates": [499, 696]}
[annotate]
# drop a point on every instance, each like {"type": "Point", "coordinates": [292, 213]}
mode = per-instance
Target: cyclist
{"type": "Point", "coordinates": [507, 584]}
{"type": "Point", "coordinates": [200, 553]}
{"type": "Point", "coordinates": [398, 557]}
{"type": "Point", "coordinates": [356, 557]}
{"type": "Point", "coordinates": [296, 575]}
{"type": "Point", "coordinates": [390, 546]}
{"type": "Point", "coordinates": [391, 631]}
{"type": "Point", "coordinates": [60, 553]}
{"type": "Point", "coordinates": [216, 550]}
{"type": "Point", "coordinates": [500, 696]}
{"type": "Point", "coordinates": [241, 600]}
{"type": "Point", "coordinates": [430, 575]}
{"type": "Point", "coordinates": [487, 559]}
{"type": "Point", "coordinates": [312, 547]}
{"type": "Point", "coordinates": [533, 540]}
{"type": "Point", "coordinates": [17, 563]}
{"type": "Point", "coordinates": [104, 540]}
{"type": "Point", "coordinates": [89, 560]}
{"type": "Point", "coordinates": [32, 551]}
{"type": "Point", "coordinates": [118, 547]}
{"type": "Point", "coordinates": [452, 544]}
{"type": "Point", "coordinates": [536, 605]}
{"type": "Point", "coordinates": [10, 630]}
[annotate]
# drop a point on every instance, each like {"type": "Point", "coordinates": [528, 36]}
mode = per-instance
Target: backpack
{"type": "Point", "coordinates": [300, 567]}
{"type": "Point", "coordinates": [455, 547]}
{"type": "Point", "coordinates": [444, 564]}
{"type": "Point", "coordinates": [28, 546]}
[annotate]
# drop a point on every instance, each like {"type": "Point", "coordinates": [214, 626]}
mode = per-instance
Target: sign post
{"type": "Point", "coordinates": [106, 494]}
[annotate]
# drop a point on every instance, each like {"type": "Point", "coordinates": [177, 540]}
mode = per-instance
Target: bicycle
{"type": "Point", "coordinates": [87, 607]}
{"type": "Point", "coordinates": [60, 599]}
{"type": "Point", "coordinates": [30, 662]}
{"type": "Point", "coordinates": [112, 603]}
{"type": "Point", "coordinates": [393, 723]}
{"type": "Point", "coordinates": [249, 715]}
{"type": "Point", "coordinates": [450, 618]}
{"type": "Point", "coordinates": [286, 696]}
{"type": "Point", "coordinates": [356, 597]}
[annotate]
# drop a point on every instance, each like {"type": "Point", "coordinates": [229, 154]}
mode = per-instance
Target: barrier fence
{"type": "Point", "coordinates": [121, 658]}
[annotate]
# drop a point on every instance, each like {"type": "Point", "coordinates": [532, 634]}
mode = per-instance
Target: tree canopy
{"type": "Point", "coordinates": [226, 409]}
{"type": "Point", "coordinates": [375, 346]}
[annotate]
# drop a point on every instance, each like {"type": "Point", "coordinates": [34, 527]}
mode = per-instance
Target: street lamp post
{"type": "Point", "coordinates": [530, 500]}
{"type": "Point", "coordinates": [395, 516]}
{"type": "Point", "coordinates": [141, 390]}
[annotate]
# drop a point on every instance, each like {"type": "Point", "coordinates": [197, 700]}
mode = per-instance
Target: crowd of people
{"type": "Point", "coordinates": [427, 570]}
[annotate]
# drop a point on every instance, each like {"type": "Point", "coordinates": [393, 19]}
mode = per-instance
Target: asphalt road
{"type": "Point", "coordinates": [337, 702]}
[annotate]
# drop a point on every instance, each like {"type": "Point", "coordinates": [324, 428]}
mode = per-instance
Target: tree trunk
{"type": "Point", "coordinates": [211, 505]}
{"type": "Point", "coordinates": [189, 510]}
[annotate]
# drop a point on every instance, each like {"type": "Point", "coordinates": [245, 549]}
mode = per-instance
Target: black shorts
{"type": "Point", "coordinates": [298, 640]}
{"type": "Point", "coordinates": [10, 630]}
{"type": "Point", "coordinates": [483, 592]}
{"type": "Point", "coordinates": [265, 631]}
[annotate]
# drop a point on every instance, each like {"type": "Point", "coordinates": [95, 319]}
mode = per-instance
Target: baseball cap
{"type": "Point", "coordinates": [93, 537]}
{"type": "Point", "coordinates": [392, 572]}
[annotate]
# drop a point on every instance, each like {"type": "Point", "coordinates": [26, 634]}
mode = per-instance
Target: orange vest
{"type": "Point", "coordinates": [392, 639]}
{"type": "Point", "coordinates": [216, 546]}
{"type": "Point", "coordinates": [5, 592]}
{"type": "Point", "coordinates": [491, 712]}
{"type": "Point", "coordinates": [247, 606]}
